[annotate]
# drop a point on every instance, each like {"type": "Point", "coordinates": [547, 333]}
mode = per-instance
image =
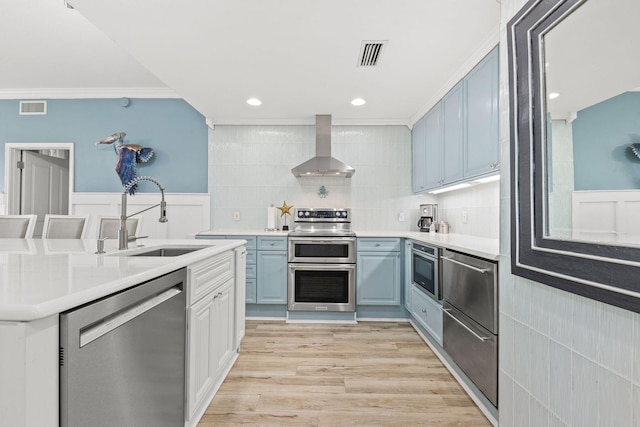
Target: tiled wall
{"type": "Point", "coordinates": [250, 169]}
{"type": "Point", "coordinates": [564, 360]}
{"type": "Point", "coordinates": [482, 205]}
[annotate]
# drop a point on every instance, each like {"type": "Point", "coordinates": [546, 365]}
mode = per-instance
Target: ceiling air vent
{"type": "Point", "coordinates": [370, 52]}
{"type": "Point", "coordinates": [33, 107]}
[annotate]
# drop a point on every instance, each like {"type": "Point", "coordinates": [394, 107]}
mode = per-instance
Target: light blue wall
{"type": "Point", "coordinates": [174, 129]}
{"type": "Point", "coordinates": [601, 134]}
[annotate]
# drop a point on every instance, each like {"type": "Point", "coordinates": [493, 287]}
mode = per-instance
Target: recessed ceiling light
{"type": "Point", "coordinates": [254, 101]}
{"type": "Point", "coordinates": [358, 102]}
{"type": "Point", "coordinates": [554, 95]}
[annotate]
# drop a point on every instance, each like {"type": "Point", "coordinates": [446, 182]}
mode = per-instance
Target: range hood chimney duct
{"type": "Point", "coordinates": [323, 164]}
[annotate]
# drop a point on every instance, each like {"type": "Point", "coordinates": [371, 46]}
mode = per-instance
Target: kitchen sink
{"type": "Point", "coordinates": [166, 252]}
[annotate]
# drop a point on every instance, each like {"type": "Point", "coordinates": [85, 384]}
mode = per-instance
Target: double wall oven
{"type": "Point", "coordinates": [322, 261]}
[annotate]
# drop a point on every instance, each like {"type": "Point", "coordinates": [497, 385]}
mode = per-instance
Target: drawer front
{"type": "Point", "coordinates": [272, 243]}
{"type": "Point", "coordinates": [474, 349]}
{"type": "Point", "coordinates": [428, 313]}
{"type": "Point", "coordinates": [251, 257]}
{"type": "Point", "coordinates": [208, 274]}
{"type": "Point", "coordinates": [251, 240]}
{"type": "Point", "coordinates": [251, 271]}
{"type": "Point", "coordinates": [251, 291]}
{"type": "Point", "coordinates": [378, 245]}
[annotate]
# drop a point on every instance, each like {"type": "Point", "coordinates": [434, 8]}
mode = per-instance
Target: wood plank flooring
{"type": "Point", "coordinates": [369, 374]}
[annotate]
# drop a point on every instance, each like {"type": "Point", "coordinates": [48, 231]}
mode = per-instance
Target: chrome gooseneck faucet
{"type": "Point", "coordinates": [123, 234]}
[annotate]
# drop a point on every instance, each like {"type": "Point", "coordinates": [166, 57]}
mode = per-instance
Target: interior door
{"type": "Point", "coordinates": [44, 186]}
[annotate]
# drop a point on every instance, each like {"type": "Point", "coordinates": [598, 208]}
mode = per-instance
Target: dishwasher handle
{"type": "Point", "coordinates": [447, 311]}
{"type": "Point", "coordinates": [112, 322]}
{"type": "Point", "coordinates": [464, 264]}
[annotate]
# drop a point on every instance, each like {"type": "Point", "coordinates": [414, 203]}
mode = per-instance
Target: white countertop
{"type": "Point", "coordinates": [479, 246]}
{"type": "Point", "coordinates": [243, 233]}
{"type": "Point", "coordinates": [43, 277]}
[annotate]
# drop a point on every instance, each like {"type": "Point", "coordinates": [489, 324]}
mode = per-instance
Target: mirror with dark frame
{"type": "Point", "coordinates": [575, 147]}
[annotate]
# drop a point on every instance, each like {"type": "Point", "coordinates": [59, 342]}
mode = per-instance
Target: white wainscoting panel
{"type": "Point", "coordinates": [607, 216]}
{"type": "Point", "coordinates": [187, 213]}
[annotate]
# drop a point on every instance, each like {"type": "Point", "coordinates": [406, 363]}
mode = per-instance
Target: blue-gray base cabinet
{"type": "Point", "coordinates": [272, 270]}
{"type": "Point", "coordinates": [378, 272]}
{"type": "Point", "coordinates": [427, 312]}
{"type": "Point", "coordinates": [266, 271]}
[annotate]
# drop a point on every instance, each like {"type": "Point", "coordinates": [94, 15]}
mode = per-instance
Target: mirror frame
{"type": "Point", "coordinates": [603, 272]}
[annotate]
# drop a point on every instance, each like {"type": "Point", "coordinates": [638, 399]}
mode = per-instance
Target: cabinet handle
{"type": "Point", "coordinates": [424, 310]}
{"type": "Point", "coordinates": [479, 270]}
{"type": "Point", "coordinates": [377, 244]}
{"type": "Point", "coordinates": [447, 310]}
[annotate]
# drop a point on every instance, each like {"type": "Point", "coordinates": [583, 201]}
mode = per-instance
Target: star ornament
{"type": "Point", "coordinates": [285, 209]}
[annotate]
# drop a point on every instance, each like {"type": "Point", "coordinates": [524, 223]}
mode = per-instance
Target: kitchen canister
{"type": "Point", "coordinates": [443, 227]}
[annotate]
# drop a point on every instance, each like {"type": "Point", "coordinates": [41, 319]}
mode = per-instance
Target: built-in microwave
{"type": "Point", "coordinates": [425, 269]}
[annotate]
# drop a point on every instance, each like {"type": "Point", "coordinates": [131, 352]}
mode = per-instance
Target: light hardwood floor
{"type": "Point", "coordinates": [369, 374]}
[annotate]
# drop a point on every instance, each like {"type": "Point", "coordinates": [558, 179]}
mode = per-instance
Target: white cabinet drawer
{"type": "Point", "coordinates": [206, 275]}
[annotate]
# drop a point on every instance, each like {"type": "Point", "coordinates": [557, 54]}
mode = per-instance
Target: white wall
{"type": "Point", "coordinates": [250, 169]}
{"type": "Point", "coordinates": [564, 360]}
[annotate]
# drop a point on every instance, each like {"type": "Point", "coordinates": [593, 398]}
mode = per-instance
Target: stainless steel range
{"type": "Point", "coordinates": [322, 261]}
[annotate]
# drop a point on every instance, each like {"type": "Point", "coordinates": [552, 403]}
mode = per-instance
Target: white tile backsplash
{"type": "Point", "coordinates": [250, 169]}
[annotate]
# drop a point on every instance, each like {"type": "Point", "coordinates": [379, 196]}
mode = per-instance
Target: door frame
{"type": "Point", "coordinates": [12, 175]}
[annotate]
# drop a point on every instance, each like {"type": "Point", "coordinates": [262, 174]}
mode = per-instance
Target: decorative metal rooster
{"type": "Point", "coordinates": [635, 149]}
{"type": "Point", "coordinates": [128, 156]}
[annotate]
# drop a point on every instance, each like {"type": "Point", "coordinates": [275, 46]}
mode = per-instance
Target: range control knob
{"type": "Point", "coordinates": [306, 213]}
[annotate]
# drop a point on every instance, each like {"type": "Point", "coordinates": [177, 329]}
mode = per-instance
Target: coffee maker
{"type": "Point", "coordinates": [428, 217]}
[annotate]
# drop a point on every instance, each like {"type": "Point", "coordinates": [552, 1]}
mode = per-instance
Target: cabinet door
{"type": "Point", "coordinates": [239, 289]}
{"type": "Point", "coordinates": [419, 150]}
{"type": "Point", "coordinates": [203, 364]}
{"type": "Point", "coordinates": [272, 277]}
{"type": "Point", "coordinates": [378, 278]}
{"type": "Point", "coordinates": [452, 134]}
{"type": "Point", "coordinates": [433, 136]}
{"type": "Point", "coordinates": [407, 275]}
{"type": "Point", "coordinates": [224, 326]}
{"type": "Point", "coordinates": [481, 91]}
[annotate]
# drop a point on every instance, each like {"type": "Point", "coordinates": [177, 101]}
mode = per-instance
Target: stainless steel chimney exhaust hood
{"type": "Point", "coordinates": [323, 164]}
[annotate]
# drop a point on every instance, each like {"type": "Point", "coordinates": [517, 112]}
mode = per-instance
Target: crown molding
{"type": "Point", "coordinates": [86, 93]}
{"type": "Point", "coordinates": [309, 122]}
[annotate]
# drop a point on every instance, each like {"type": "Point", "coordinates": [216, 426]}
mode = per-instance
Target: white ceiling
{"type": "Point", "coordinates": [298, 56]}
{"type": "Point", "coordinates": [592, 56]}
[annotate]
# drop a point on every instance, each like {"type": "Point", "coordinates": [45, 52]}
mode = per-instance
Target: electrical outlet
{"type": "Point", "coordinates": [464, 217]}
{"type": "Point", "coordinates": [401, 216]}
{"type": "Point", "coordinates": [236, 216]}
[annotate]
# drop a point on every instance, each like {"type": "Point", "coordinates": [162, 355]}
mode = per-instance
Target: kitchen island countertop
{"type": "Point", "coordinates": [43, 277]}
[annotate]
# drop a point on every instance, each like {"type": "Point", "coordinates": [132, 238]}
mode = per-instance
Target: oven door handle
{"type": "Point", "coordinates": [447, 312]}
{"type": "Point", "coordinates": [479, 270]}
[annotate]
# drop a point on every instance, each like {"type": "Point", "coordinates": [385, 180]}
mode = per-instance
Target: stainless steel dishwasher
{"type": "Point", "coordinates": [470, 321]}
{"type": "Point", "coordinates": [122, 358]}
